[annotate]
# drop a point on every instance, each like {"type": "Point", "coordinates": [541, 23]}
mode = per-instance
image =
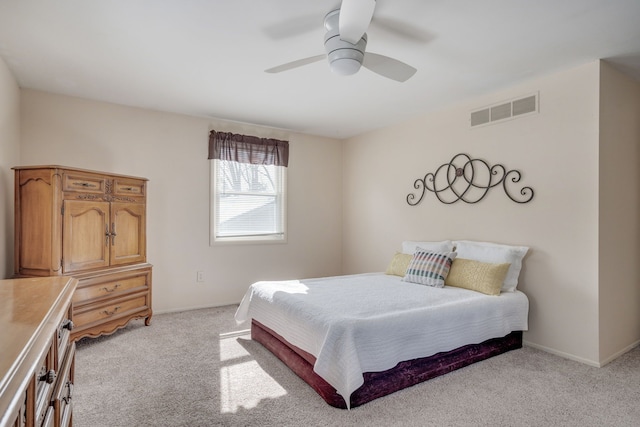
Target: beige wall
{"type": "Point", "coordinates": [9, 156]}
{"type": "Point", "coordinates": [347, 199]}
{"type": "Point", "coordinates": [171, 150]}
{"type": "Point", "coordinates": [619, 209]}
{"type": "Point", "coordinates": [557, 153]}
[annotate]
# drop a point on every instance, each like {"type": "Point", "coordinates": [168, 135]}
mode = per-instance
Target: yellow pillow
{"type": "Point", "coordinates": [477, 276]}
{"type": "Point", "coordinates": [399, 263]}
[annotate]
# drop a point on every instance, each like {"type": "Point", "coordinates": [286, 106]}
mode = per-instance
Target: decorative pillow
{"type": "Point", "coordinates": [398, 265]}
{"type": "Point", "coordinates": [477, 276]}
{"type": "Point", "coordinates": [496, 254]}
{"type": "Point", "coordinates": [429, 268]}
{"type": "Point", "coordinates": [409, 247]}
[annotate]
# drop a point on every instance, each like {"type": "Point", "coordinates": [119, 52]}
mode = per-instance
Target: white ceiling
{"type": "Point", "coordinates": [207, 57]}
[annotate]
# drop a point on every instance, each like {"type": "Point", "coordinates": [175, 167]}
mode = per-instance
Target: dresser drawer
{"type": "Point", "coordinates": [49, 418]}
{"type": "Point", "coordinates": [102, 312]}
{"type": "Point", "coordinates": [79, 182]}
{"type": "Point", "coordinates": [45, 377]}
{"type": "Point", "coordinates": [110, 288]}
{"type": "Point", "coordinates": [18, 417]}
{"type": "Point", "coordinates": [63, 392]}
{"type": "Point", "coordinates": [62, 335]}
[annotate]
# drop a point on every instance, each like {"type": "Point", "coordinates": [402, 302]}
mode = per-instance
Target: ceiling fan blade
{"type": "Point", "coordinates": [296, 64]}
{"type": "Point", "coordinates": [355, 17]}
{"type": "Point", "coordinates": [388, 67]}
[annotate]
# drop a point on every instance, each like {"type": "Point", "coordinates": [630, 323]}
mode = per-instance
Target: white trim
{"type": "Point", "coordinates": [563, 354]}
{"type": "Point", "coordinates": [620, 353]}
{"type": "Point", "coordinates": [581, 359]}
{"type": "Point", "coordinates": [197, 307]}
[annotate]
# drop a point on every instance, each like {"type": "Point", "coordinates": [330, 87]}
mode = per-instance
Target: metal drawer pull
{"type": "Point", "coordinates": [111, 313]}
{"type": "Point", "coordinates": [116, 286]}
{"type": "Point", "coordinates": [67, 399]}
{"type": "Point", "coordinates": [49, 377]}
{"type": "Point", "coordinates": [127, 188]}
{"type": "Point", "coordinates": [113, 233]}
{"type": "Point", "coordinates": [83, 184]}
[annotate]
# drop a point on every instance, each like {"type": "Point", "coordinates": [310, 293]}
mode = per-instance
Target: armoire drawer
{"type": "Point", "coordinates": [109, 288]}
{"type": "Point", "coordinates": [91, 313]}
{"type": "Point", "coordinates": [78, 182]}
{"type": "Point", "coordinates": [125, 187]}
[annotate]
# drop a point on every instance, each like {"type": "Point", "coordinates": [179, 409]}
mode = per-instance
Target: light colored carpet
{"type": "Point", "coordinates": [190, 369]}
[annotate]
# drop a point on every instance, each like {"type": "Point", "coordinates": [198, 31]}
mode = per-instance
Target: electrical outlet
{"type": "Point", "coordinates": [200, 276]}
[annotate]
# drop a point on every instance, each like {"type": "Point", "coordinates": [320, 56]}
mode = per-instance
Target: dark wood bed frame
{"type": "Point", "coordinates": [378, 384]}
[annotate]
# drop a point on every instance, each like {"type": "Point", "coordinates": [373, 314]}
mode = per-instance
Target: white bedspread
{"type": "Point", "coordinates": [371, 322]}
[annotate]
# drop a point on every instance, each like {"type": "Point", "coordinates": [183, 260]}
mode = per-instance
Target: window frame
{"type": "Point", "coordinates": [281, 204]}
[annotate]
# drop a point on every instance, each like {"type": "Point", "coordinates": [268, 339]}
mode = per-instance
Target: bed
{"type": "Point", "coordinates": [359, 337]}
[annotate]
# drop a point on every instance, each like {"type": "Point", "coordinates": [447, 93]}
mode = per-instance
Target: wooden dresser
{"type": "Point", "coordinates": [92, 226]}
{"type": "Point", "coordinates": [36, 355]}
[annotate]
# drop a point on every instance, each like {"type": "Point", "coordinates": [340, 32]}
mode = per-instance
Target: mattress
{"type": "Point", "coordinates": [371, 322]}
{"type": "Point", "coordinates": [377, 384]}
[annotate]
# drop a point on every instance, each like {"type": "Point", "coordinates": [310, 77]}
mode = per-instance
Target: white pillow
{"type": "Point", "coordinates": [409, 247]}
{"type": "Point", "coordinates": [496, 254]}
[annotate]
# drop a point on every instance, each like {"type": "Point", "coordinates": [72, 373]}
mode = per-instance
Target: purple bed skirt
{"type": "Point", "coordinates": [378, 384]}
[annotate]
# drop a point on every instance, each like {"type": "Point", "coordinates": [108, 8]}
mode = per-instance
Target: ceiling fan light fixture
{"type": "Point", "coordinates": [345, 66]}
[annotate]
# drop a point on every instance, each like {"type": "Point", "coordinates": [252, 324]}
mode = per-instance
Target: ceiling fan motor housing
{"type": "Point", "coordinates": [344, 58]}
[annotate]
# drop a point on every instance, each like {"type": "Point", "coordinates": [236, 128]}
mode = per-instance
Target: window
{"type": "Point", "coordinates": [249, 201]}
{"type": "Point", "coordinates": [248, 188]}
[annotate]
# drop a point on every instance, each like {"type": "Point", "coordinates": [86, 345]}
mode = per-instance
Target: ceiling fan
{"type": "Point", "coordinates": [345, 42]}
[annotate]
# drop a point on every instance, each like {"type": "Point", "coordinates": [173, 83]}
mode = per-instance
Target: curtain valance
{"type": "Point", "coordinates": [248, 149]}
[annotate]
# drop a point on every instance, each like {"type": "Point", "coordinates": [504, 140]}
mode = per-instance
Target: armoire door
{"type": "Point", "coordinates": [86, 235]}
{"type": "Point", "coordinates": [128, 225]}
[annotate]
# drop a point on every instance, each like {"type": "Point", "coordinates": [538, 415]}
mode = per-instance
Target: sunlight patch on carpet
{"type": "Point", "coordinates": [243, 383]}
{"type": "Point", "coordinates": [230, 348]}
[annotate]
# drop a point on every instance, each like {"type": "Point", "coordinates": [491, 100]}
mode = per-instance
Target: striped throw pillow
{"type": "Point", "coordinates": [429, 268]}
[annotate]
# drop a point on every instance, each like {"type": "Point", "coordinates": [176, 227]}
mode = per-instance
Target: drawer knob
{"type": "Point", "coordinates": [48, 377]}
{"type": "Point", "coordinates": [68, 324]}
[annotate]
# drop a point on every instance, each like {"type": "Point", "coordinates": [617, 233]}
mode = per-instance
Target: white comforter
{"type": "Point", "coordinates": [370, 322]}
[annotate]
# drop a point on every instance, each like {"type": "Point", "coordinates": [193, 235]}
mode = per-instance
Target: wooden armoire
{"type": "Point", "coordinates": [91, 226]}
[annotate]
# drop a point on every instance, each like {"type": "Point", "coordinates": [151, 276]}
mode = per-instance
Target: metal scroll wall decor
{"type": "Point", "coordinates": [469, 180]}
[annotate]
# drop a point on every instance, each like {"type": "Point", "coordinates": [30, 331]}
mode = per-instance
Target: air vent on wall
{"type": "Point", "coordinates": [505, 110]}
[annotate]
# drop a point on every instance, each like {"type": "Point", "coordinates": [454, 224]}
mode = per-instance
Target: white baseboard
{"type": "Point", "coordinates": [563, 354]}
{"type": "Point", "coordinates": [199, 307]}
{"type": "Point", "coordinates": [581, 359]}
{"type": "Point", "coordinates": [620, 353]}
